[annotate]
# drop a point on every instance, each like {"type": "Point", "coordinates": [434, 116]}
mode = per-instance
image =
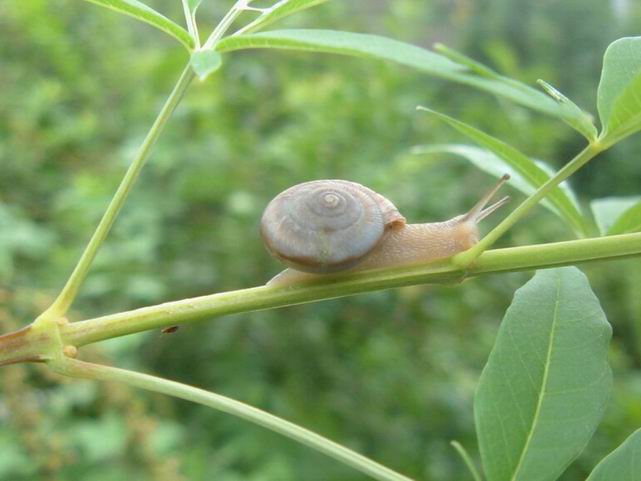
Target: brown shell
{"type": "Point", "coordinates": [326, 225]}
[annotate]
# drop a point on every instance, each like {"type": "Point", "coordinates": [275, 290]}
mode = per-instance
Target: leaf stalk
{"type": "Point", "coordinates": [588, 153]}
{"type": "Point", "coordinates": [61, 304]}
{"type": "Point", "coordinates": [74, 368]}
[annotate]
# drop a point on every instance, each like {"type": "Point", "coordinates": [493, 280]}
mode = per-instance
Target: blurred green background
{"type": "Point", "coordinates": [390, 374]}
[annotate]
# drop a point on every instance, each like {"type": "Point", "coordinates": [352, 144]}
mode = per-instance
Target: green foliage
{"type": "Point", "coordinates": [144, 13]}
{"type": "Point", "coordinates": [623, 464]}
{"type": "Point", "coordinates": [528, 170]}
{"type": "Point", "coordinates": [577, 118]}
{"type": "Point", "coordinates": [391, 374]}
{"type": "Point", "coordinates": [617, 215]}
{"type": "Point", "coordinates": [547, 381]}
{"type": "Point", "coordinates": [345, 43]}
{"type": "Point", "coordinates": [279, 10]}
{"type": "Point", "coordinates": [365, 45]}
{"type": "Point", "coordinates": [619, 96]}
{"type": "Point", "coordinates": [628, 221]}
{"type": "Point", "coordinates": [19, 236]}
{"type": "Point", "coordinates": [496, 166]}
{"type": "Point", "coordinates": [522, 93]}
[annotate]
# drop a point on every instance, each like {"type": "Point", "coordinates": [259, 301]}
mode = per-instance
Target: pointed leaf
{"type": "Point", "coordinates": [629, 221]}
{"type": "Point", "coordinates": [579, 120]}
{"type": "Point", "coordinates": [619, 94]}
{"type": "Point", "coordinates": [373, 46]}
{"type": "Point", "coordinates": [514, 91]}
{"type": "Point", "coordinates": [547, 381]}
{"type": "Point", "coordinates": [144, 13]}
{"type": "Point", "coordinates": [490, 163]}
{"type": "Point", "coordinates": [460, 58]}
{"type": "Point", "coordinates": [282, 9]}
{"type": "Point", "coordinates": [570, 113]}
{"type": "Point", "coordinates": [622, 464]}
{"type": "Point", "coordinates": [205, 62]}
{"type": "Point", "coordinates": [617, 215]}
{"type": "Point", "coordinates": [346, 43]}
{"type": "Point", "coordinates": [525, 166]}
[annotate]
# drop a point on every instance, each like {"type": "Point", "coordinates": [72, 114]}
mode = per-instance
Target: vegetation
{"type": "Point", "coordinates": [389, 374]}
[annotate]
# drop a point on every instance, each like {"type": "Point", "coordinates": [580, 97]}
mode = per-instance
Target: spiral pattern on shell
{"type": "Point", "coordinates": [326, 225]}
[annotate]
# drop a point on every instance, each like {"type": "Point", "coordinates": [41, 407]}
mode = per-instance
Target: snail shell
{"type": "Point", "coordinates": [326, 225]}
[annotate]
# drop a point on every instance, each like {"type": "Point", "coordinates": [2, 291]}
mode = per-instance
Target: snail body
{"type": "Point", "coordinates": [328, 226]}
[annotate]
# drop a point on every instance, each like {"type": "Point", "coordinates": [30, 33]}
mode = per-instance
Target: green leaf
{"type": "Point", "coordinates": [573, 116]}
{"type": "Point", "coordinates": [617, 215]}
{"type": "Point", "coordinates": [622, 464]}
{"type": "Point", "coordinates": [205, 62]}
{"type": "Point", "coordinates": [547, 380]}
{"type": "Point", "coordinates": [144, 13]}
{"type": "Point", "coordinates": [373, 46]}
{"type": "Point", "coordinates": [629, 221]}
{"type": "Point", "coordinates": [346, 43]}
{"type": "Point", "coordinates": [490, 163]}
{"type": "Point", "coordinates": [576, 118]}
{"type": "Point", "coordinates": [528, 170]}
{"type": "Point", "coordinates": [569, 112]}
{"type": "Point", "coordinates": [282, 9]}
{"type": "Point", "coordinates": [514, 91]}
{"type": "Point", "coordinates": [460, 58]}
{"type": "Point", "coordinates": [619, 94]}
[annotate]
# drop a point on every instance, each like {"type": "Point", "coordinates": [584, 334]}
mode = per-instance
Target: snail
{"type": "Point", "coordinates": [330, 226]}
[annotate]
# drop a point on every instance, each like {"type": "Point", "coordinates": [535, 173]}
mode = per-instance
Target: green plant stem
{"type": "Point", "coordinates": [467, 460]}
{"type": "Point", "coordinates": [466, 258]}
{"type": "Point", "coordinates": [192, 27]}
{"type": "Point", "coordinates": [70, 290]}
{"type": "Point", "coordinates": [257, 298]}
{"type": "Point", "coordinates": [34, 342]}
{"type": "Point", "coordinates": [226, 22]}
{"type": "Point", "coordinates": [75, 368]}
